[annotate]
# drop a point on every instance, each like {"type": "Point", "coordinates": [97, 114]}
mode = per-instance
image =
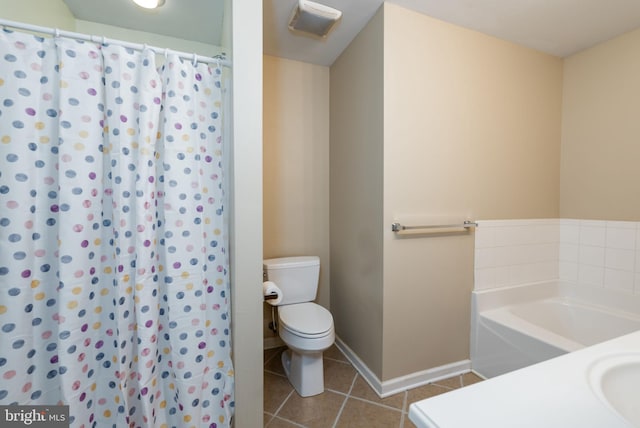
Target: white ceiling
{"type": "Point", "coordinates": [196, 20]}
{"type": "Point", "coordinates": [279, 41]}
{"type": "Point", "coordinates": [558, 27]}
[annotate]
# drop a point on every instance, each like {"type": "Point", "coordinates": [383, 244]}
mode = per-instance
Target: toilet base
{"type": "Point", "coordinates": [304, 371]}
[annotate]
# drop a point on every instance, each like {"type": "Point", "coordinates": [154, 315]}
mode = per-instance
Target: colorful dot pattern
{"type": "Point", "coordinates": [114, 283]}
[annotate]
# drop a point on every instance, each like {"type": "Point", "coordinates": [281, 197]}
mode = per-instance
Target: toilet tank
{"type": "Point", "coordinates": [297, 277]}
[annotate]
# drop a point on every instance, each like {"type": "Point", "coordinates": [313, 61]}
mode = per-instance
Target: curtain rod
{"type": "Point", "coordinates": [101, 39]}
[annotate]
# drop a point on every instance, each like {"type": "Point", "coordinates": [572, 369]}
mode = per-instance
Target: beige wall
{"type": "Point", "coordinates": [158, 40]}
{"type": "Point", "coordinates": [356, 194]}
{"type": "Point", "coordinates": [46, 13]}
{"type": "Point", "coordinates": [296, 165]}
{"type": "Point", "coordinates": [471, 130]}
{"type": "Point", "coordinates": [601, 132]}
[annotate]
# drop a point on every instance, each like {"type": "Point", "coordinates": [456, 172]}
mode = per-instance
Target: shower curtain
{"type": "Point", "coordinates": [114, 281]}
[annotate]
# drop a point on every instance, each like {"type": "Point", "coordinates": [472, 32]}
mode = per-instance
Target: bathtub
{"type": "Point", "coordinates": [515, 327]}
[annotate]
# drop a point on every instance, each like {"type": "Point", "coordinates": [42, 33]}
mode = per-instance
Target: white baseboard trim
{"type": "Point", "coordinates": [402, 383]}
{"type": "Point", "coordinates": [424, 377]}
{"type": "Point", "coordinates": [360, 366]}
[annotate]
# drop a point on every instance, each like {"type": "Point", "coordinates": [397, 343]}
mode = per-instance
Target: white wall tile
{"type": "Point", "coordinates": [591, 275]}
{"type": "Point", "coordinates": [569, 252]}
{"type": "Point", "coordinates": [520, 274]}
{"type": "Point", "coordinates": [620, 259]}
{"type": "Point", "coordinates": [593, 223]}
{"type": "Point", "coordinates": [568, 271]}
{"type": "Point", "coordinates": [593, 252]}
{"type": "Point", "coordinates": [618, 280]}
{"type": "Point", "coordinates": [487, 278]}
{"type": "Point", "coordinates": [592, 256]}
{"type": "Point", "coordinates": [570, 233]}
{"type": "Point", "coordinates": [485, 257]}
{"type": "Point", "coordinates": [547, 270]}
{"type": "Point", "coordinates": [624, 238]}
{"type": "Point", "coordinates": [484, 278]}
{"type": "Point", "coordinates": [592, 235]}
{"type": "Point", "coordinates": [546, 233]}
{"type": "Point", "coordinates": [622, 224]}
{"type": "Point", "coordinates": [515, 235]}
{"type": "Point", "coordinates": [484, 236]}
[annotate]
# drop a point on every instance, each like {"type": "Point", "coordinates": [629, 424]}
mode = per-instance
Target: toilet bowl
{"type": "Point", "coordinates": [307, 330]}
{"type": "Point", "coordinates": [305, 327]}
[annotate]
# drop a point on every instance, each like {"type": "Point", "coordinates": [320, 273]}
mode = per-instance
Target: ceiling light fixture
{"type": "Point", "coordinates": [313, 18]}
{"type": "Point", "coordinates": [149, 4]}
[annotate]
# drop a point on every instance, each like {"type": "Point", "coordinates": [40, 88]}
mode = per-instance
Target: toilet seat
{"type": "Point", "coordinates": [307, 320]}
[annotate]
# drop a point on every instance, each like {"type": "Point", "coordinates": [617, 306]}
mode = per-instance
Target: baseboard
{"type": "Point", "coordinates": [402, 383]}
{"type": "Point", "coordinates": [424, 377]}
{"type": "Point", "coordinates": [360, 366]}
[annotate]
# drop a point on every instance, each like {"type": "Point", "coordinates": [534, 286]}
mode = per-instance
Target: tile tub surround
{"type": "Point", "coordinates": [593, 252]}
{"type": "Point", "coordinates": [348, 401]}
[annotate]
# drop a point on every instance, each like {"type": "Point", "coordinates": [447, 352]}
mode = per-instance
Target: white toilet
{"type": "Point", "coordinates": [305, 327]}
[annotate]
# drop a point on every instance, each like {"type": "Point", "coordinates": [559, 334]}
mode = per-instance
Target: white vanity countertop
{"type": "Point", "coordinates": [552, 394]}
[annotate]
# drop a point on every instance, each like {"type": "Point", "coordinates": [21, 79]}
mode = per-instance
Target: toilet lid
{"type": "Point", "coordinates": [305, 318]}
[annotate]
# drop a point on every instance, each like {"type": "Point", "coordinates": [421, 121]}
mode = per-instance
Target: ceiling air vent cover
{"type": "Point", "coordinates": [313, 18]}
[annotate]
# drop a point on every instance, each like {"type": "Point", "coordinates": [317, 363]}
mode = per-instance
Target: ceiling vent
{"type": "Point", "coordinates": [313, 18]}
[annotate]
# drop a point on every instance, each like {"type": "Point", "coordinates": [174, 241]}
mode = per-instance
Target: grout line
{"type": "Point", "coordinates": [344, 402]}
{"type": "Point", "coordinates": [275, 373]}
{"type": "Point", "coordinates": [283, 403]}
{"type": "Point", "coordinates": [337, 361]}
{"type": "Point", "coordinates": [266, 423]}
{"type": "Point", "coordinates": [268, 360]}
{"type": "Point", "coordinates": [374, 403]}
{"type": "Point", "coordinates": [404, 409]}
{"type": "Point", "coordinates": [287, 420]}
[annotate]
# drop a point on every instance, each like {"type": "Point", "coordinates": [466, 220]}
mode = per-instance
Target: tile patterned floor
{"type": "Point", "coordinates": [348, 401]}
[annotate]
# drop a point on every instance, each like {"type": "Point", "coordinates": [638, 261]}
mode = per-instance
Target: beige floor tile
{"type": "Point", "coordinates": [453, 382]}
{"type": "Point", "coordinates": [318, 411]}
{"type": "Point", "coordinates": [407, 422]}
{"type": "Point", "coordinates": [338, 376]}
{"type": "Point", "coordinates": [266, 418]}
{"type": "Point", "coordinates": [335, 354]}
{"type": "Point", "coordinates": [275, 363]}
{"type": "Point", "coordinates": [423, 392]}
{"type": "Point", "coordinates": [470, 378]}
{"type": "Point", "coordinates": [269, 353]}
{"type": "Point", "coordinates": [357, 413]}
{"type": "Point", "coordinates": [362, 389]}
{"type": "Point", "coordinates": [276, 390]}
{"type": "Point", "coordinates": [281, 423]}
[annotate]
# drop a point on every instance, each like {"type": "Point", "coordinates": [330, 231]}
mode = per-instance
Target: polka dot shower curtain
{"type": "Point", "coordinates": [113, 254]}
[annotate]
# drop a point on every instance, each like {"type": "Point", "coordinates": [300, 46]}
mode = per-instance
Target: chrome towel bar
{"type": "Point", "coordinates": [397, 227]}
